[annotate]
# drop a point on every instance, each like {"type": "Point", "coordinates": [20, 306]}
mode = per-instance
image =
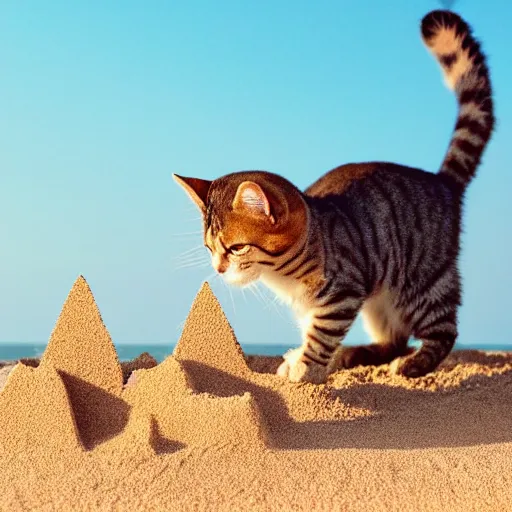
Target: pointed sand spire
{"type": "Point", "coordinates": [80, 344]}
{"type": "Point", "coordinates": [81, 350]}
{"type": "Point", "coordinates": [208, 339]}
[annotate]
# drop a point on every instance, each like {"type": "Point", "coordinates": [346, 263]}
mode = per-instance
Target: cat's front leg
{"type": "Point", "coordinates": [324, 326]}
{"type": "Point", "coordinates": [296, 369]}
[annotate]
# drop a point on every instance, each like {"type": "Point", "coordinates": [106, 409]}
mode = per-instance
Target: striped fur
{"type": "Point", "coordinates": [375, 238]}
{"type": "Point", "coordinates": [449, 38]}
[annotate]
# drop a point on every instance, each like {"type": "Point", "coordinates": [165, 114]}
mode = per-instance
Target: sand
{"type": "Point", "coordinates": [211, 429]}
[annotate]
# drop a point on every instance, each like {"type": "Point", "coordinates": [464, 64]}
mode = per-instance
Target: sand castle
{"type": "Point", "coordinates": [81, 381]}
{"type": "Point", "coordinates": [209, 428]}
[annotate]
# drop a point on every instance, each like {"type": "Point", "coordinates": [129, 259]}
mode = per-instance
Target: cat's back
{"type": "Point", "coordinates": [384, 184]}
{"type": "Point", "coordinates": [411, 206]}
{"type": "Point", "coordinates": [342, 180]}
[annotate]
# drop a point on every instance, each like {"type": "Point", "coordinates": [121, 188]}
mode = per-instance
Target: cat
{"type": "Point", "coordinates": [377, 238]}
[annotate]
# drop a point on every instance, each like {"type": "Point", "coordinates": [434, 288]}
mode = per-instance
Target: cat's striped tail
{"type": "Point", "coordinates": [450, 39]}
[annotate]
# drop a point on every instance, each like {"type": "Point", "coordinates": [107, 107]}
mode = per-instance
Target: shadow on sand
{"type": "Point", "coordinates": [479, 411]}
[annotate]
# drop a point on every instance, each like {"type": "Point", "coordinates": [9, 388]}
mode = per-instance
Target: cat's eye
{"type": "Point", "coordinates": [239, 249]}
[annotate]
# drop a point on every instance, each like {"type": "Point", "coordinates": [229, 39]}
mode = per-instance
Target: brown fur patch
{"type": "Point", "coordinates": [339, 179]}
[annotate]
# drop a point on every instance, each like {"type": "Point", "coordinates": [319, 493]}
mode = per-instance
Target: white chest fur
{"type": "Point", "coordinates": [290, 292]}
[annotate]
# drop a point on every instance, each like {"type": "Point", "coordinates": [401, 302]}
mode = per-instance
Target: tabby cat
{"type": "Point", "coordinates": [377, 238]}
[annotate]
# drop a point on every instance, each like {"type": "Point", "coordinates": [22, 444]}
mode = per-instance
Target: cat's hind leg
{"type": "Point", "coordinates": [434, 323]}
{"type": "Point", "coordinates": [437, 333]}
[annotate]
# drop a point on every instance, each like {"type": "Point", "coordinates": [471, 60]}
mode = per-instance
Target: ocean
{"type": "Point", "coordinates": [11, 351]}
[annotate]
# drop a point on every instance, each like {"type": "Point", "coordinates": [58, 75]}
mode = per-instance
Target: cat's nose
{"type": "Point", "coordinates": [219, 265]}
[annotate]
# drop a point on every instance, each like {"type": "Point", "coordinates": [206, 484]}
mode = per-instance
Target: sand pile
{"type": "Point", "coordinates": [208, 339]}
{"type": "Point", "coordinates": [208, 429]}
{"type": "Point", "coordinates": [81, 350]}
{"type": "Point", "coordinates": [85, 370]}
{"type": "Point", "coordinates": [184, 418]}
{"type": "Point", "coordinates": [37, 415]}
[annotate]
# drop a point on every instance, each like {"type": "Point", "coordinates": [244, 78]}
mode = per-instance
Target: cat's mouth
{"type": "Point", "coordinates": [238, 277]}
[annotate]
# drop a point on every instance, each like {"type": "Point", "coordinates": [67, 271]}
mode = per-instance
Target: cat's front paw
{"type": "Point", "coordinates": [296, 370]}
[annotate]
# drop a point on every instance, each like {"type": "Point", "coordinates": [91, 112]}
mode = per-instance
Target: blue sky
{"type": "Point", "coordinates": [102, 101]}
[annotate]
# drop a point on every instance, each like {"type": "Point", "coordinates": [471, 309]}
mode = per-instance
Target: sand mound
{"type": "Point", "coordinates": [208, 338]}
{"type": "Point", "coordinates": [80, 344]}
{"type": "Point", "coordinates": [184, 418]}
{"type": "Point", "coordinates": [138, 441]}
{"type": "Point", "coordinates": [214, 363]}
{"type": "Point", "coordinates": [206, 430]}
{"type": "Point", "coordinates": [144, 360]}
{"type": "Point", "coordinates": [81, 350]}
{"type": "Point", "coordinates": [158, 409]}
{"type": "Point", "coordinates": [37, 416]}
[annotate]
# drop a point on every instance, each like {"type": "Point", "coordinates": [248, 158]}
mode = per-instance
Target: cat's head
{"type": "Point", "coordinates": [251, 220]}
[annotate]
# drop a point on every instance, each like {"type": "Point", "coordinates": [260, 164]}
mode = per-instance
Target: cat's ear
{"type": "Point", "coordinates": [251, 198]}
{"type": "Point", "coordinates": [196, 188]}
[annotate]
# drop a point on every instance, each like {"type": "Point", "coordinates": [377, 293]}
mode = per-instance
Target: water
{"type": "Point", "coordinates": [12, 351]}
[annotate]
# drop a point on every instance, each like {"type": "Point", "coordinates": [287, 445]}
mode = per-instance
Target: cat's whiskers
{"type": "Point", "coordinates": [194, 218]}
{"type": "Point", "coordinates": [193, 249]}
{"type": "Point", "coordinates": [274, 303]}
{"type": "Point", "coordinates": [191, 258]}
{"type": "Point", "coordinates": [191, 208]}
{"type": "Point", "coordinates": [251, 288]}
{"type": "Point", "coordinates": [212, 276]}
{"type": "Point", "coordinates": [263, 298]}
{"type": "Point", "coordinates": [190, 233]}
{"type": "Point", "coordinates": [278, 301]}
{"type": "Point", "coordinates": [188, 253]}
{"type": "Point", "coordinates": [197, 264]}
{"type": "Point", "coordinates": [230, 294]}
{"type": "Point", "coordinates": [194, 253]}
{"type": "Point", "coordinates": [194, 263]}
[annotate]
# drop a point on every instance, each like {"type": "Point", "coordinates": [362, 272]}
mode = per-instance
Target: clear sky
{"type": "Point", "coordinates": [100, 102]}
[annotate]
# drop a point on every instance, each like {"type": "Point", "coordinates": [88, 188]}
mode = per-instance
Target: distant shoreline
{"type": "Point", "coordinates": [11, 352]}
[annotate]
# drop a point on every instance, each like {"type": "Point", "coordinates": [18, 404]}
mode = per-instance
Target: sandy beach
{"type": "Point", "coordinates": [211, 429]}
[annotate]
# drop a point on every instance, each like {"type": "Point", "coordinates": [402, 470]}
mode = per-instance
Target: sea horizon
{"type": "Point", "coordinates": [11, 351]}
